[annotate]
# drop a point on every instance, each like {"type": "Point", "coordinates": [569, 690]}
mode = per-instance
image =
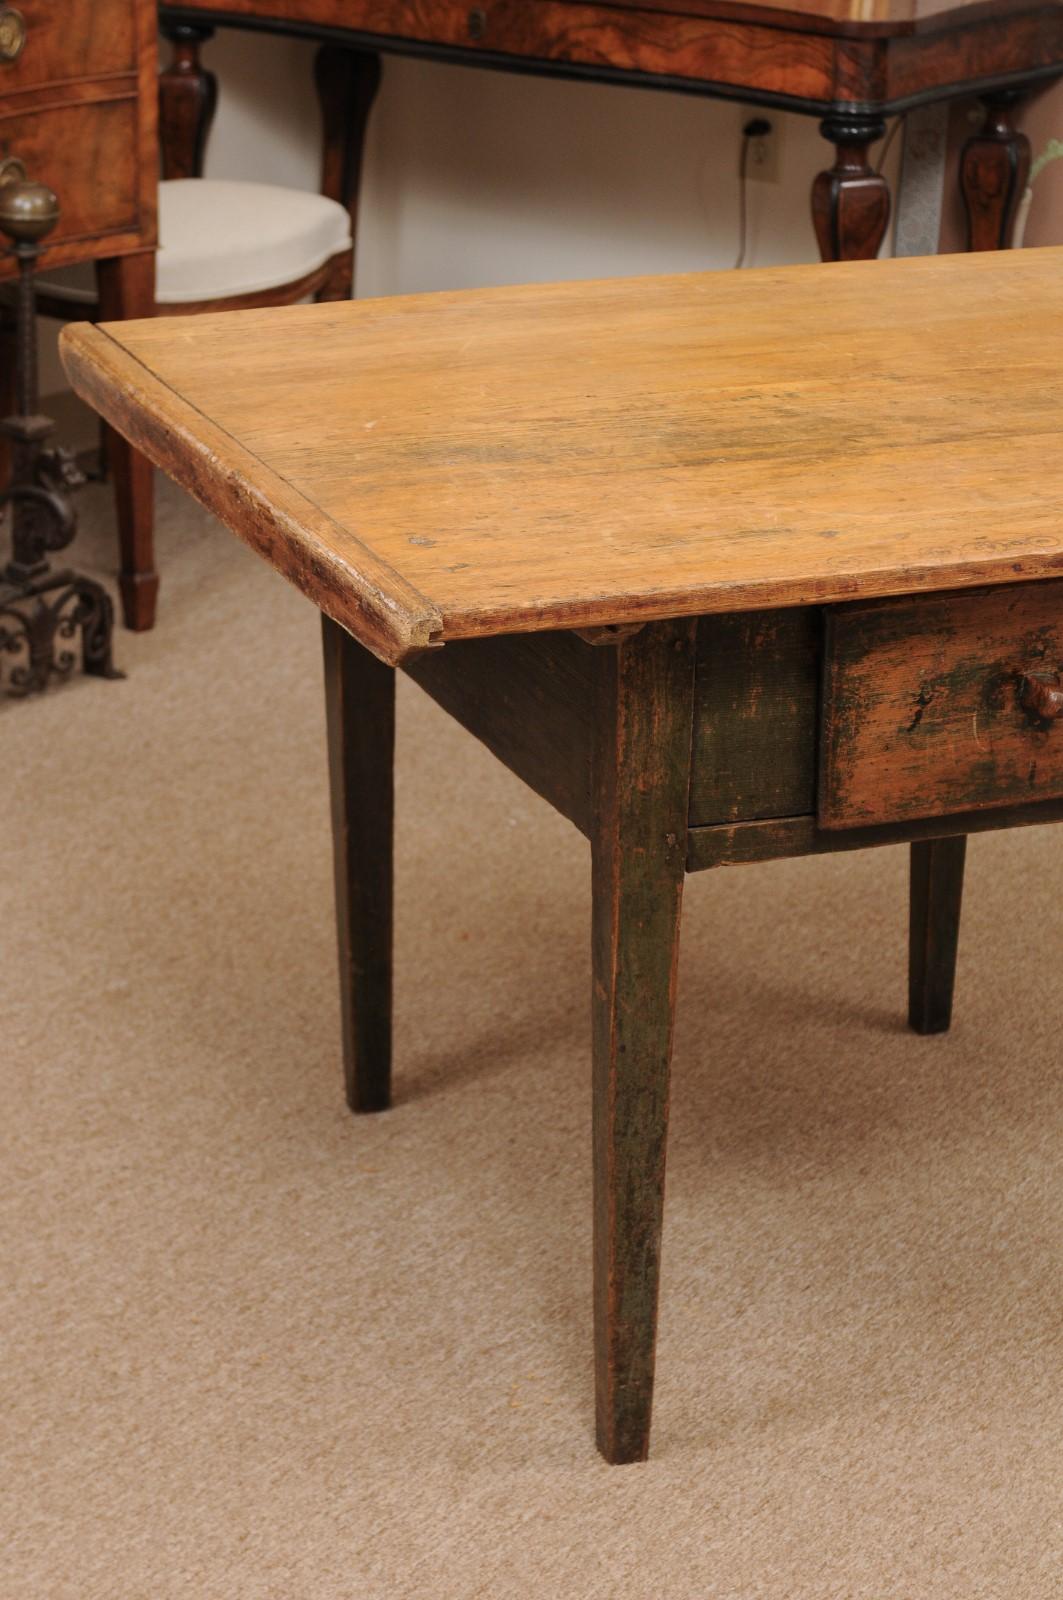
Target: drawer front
{"type": "Point", "coordinates": [942, 704]}
{"type": "Point", "coordinates": [66, 39]}
{"type": "Point", "coordinates": [88, 155]}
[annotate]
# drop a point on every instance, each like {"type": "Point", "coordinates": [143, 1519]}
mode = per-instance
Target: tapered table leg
{"type": "Point", "coordinates": [934, 931]}
{"type": "Point", "coordinates": [641, 775]}
{"type": "Point", "coordinates": [360, 716]}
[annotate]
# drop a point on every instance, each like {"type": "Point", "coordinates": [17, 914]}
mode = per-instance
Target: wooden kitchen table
{"type": "Point", "coordinates": [727, 567]}
{"type": "Point", "coordinates": [851, 63]}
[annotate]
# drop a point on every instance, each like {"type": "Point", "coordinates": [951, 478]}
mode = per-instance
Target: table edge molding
{"type": "Point", "coordinates": [371, 600]}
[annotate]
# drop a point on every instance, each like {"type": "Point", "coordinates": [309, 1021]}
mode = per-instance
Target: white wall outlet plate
{"type": "Point", "coordinates": [762, 156]}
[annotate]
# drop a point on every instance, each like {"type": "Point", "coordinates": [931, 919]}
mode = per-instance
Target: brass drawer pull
{"type": "Point", "coordinates": [1045, 700]}
{"type": "Point", "coordinates": [12, 33]}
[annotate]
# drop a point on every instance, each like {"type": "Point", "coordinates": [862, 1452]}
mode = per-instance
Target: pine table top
{"type": "Point", "coordinates": [447, 466]}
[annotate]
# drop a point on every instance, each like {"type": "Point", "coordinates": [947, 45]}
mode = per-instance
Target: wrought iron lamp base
{"type": "Point", "coordinates": [41, 612]}
{"type": "Point", "coordinates": [39, 625]}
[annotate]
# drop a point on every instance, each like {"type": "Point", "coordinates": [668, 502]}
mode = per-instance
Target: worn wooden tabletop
{"type": "Point", "coordinates": [452, 465]}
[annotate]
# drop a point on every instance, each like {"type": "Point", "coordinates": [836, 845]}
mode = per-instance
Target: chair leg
{"type": "Point", "coordinates": [360, 716]}
{"type": "Point", "coordinates": [339, 280]}
{"type": "Point", "coordinates": [126, 288]}
{"type": "Point", "coordinates": [641, 767]}
{"type": "Point", "coordinates": [934, 931]}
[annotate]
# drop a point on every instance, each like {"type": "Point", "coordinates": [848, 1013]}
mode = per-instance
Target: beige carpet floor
{"type": "Point", "coordinates": [256, 1348]}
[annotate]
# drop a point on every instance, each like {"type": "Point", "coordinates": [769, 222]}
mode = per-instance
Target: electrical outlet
{"type": "Point", "coordinates": [761, 135]}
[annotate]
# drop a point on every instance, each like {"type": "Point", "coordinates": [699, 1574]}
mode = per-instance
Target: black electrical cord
{"type": "Point", "coordinates": [898, 123]}
{"type": "Point", "coordinates": [756, 128]}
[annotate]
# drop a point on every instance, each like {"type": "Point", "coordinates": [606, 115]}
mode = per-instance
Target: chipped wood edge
{"type": "Point", "coordinates": [347, 581]}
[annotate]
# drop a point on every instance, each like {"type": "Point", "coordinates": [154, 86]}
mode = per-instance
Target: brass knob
{"type": "Point", "coordinates": [1043, 700]}
{"type": "Point", "coordinates": [28, 210]}
{"type": "Point", "coordinates": [12, 33]}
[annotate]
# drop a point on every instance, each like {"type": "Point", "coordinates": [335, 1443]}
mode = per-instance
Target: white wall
{"type": "Point", "coordinates": [476, 177]}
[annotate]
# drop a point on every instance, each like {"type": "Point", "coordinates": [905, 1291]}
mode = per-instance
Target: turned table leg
{"type": "Point", "coordinates": [641, 777]}
{"type": "Point", "coordinates": [347, 82]}
{"type": "Point", "coordinates": [851, 201]}
{"type": "Point", "coordinates": [360, 718]}
{"type": "Point", "coordinates": [994, 167]}
{"type": "Point", "coordinates": [936, 893]}
{"type": "Point", "coordinates": [125, 286]}
{"type": "Point", "coordinates": [188, 98]}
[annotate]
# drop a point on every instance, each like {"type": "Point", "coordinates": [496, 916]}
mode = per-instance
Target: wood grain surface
{"type": "Point", "coordinates": [455, 465]}
{"type": "Point", "coordinates": [924, 705]}
{"type": "Point", "coordinates": [870, 19]}
{"type": "Point", "coordinates": [78, 107]}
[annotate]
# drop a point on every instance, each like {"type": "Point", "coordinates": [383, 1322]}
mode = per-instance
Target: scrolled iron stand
{"type": "Point", "coordinates": [41, 611]}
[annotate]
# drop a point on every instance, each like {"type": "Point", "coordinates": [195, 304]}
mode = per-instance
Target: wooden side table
{"type": "Point", "coordinates": [760, 564]}
{"type": "Point", "coordinates": [78, 106]}
{"type": "Point", "coordinates": [849, 63]}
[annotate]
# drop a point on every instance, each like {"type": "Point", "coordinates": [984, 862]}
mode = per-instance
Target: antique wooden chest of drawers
{"type": "Point", "coordinates": [78, 107]}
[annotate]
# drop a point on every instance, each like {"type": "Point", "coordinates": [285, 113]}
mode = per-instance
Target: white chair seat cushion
{"type": "Point", "coordinates": [219, 238]}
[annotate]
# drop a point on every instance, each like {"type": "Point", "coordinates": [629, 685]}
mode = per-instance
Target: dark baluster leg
{"type": "Point", "coordinates": [188, 98]}
{"type": "Point", "coordinates": [934, 931]}
{"type": "Point", "coordinates": [126, 288]}
{"type": "Point", "coordinates": [851, 202]}
{"type": "Point", "coordinates": [643, 714]}
{"type": "Point", "coordinates": [360, 713]}
{"type": "Point", "coordinates": [347, 82]}
{"type": "Point", "coordinates": [994, 168]}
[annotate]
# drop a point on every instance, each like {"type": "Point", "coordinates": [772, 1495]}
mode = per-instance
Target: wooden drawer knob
{"type": "Point", "coordinates": [12, 33]}
{"type": "Point", "coordinates": [1044, 700]}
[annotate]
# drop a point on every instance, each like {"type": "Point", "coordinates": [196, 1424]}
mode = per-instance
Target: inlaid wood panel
{"type": "Point", "coordinates": [861, 18]}
{"type": "Point", "coordinates": [654, 43]}
{"type": "Point", "coordinates": [997, 46]}
{"type": "Point", "coordinates": [816, 55]}
{"type": "Point", "coordinates": [943, 704]}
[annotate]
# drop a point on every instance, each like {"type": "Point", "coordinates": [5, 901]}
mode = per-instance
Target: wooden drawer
{"type": "Point", "coordinates": [87, 153]}
{"type": "Point", "coordinates": [941, 704]}
{"type": "Point", "coordinates": [71, 39]}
